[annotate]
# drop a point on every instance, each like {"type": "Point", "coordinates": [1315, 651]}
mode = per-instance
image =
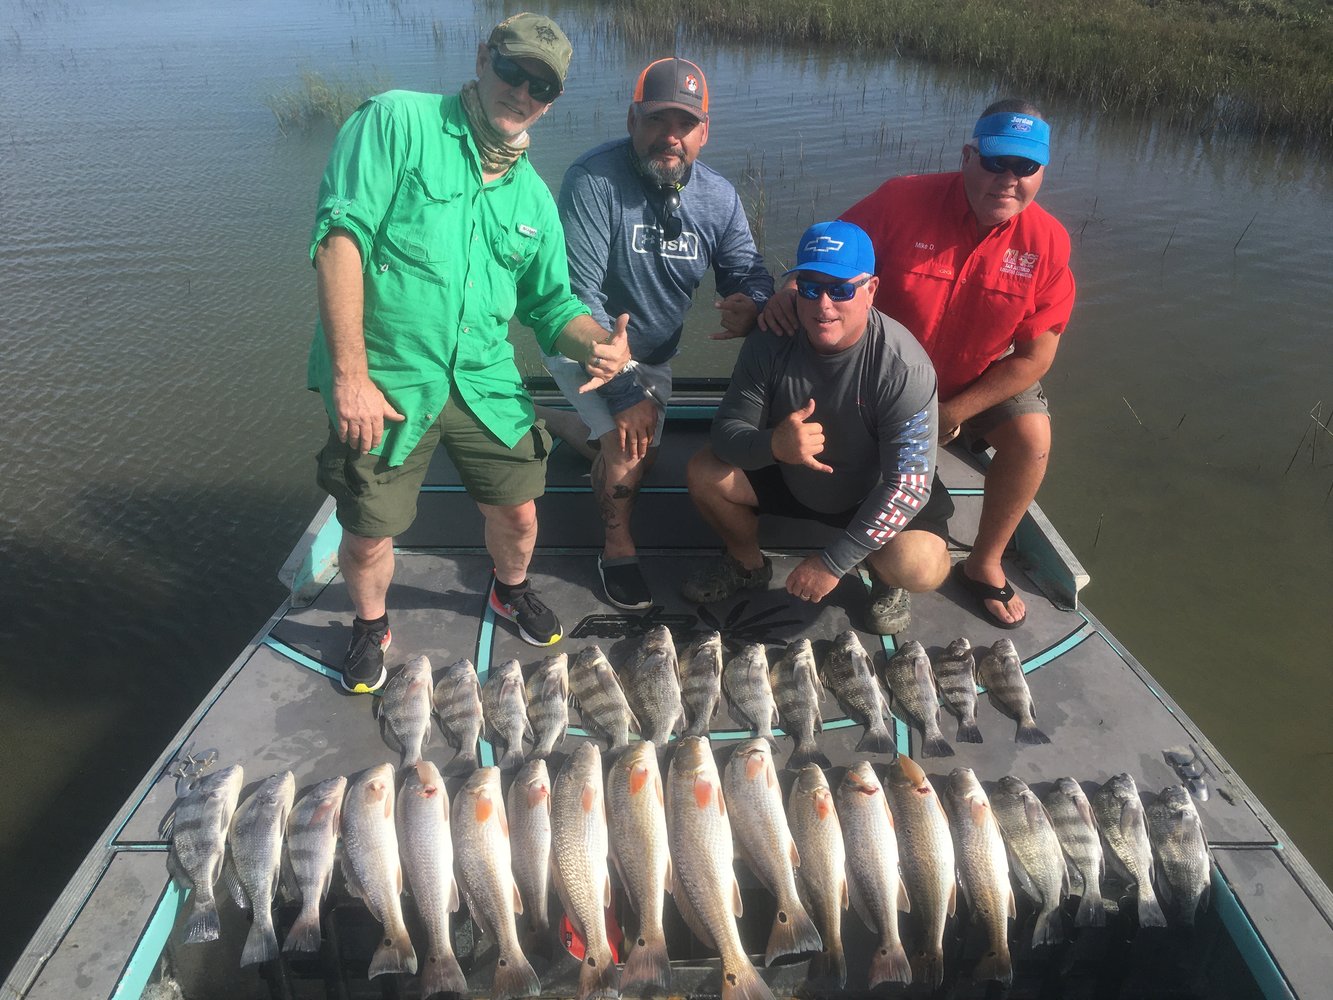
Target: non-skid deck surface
{"type": "Point", "coordinates": [283, 710]}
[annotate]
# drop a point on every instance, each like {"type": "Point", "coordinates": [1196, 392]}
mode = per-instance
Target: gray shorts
{"type": "Point", "coordinates": [591, 408]}
{"type": "Point", "coordinates": [1030, 400]}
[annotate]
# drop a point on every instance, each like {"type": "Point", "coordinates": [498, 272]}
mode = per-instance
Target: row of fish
{"type": "Point", "coordinates": [913, 850]}
{"type": "Point", "coordinates": [658, 694]}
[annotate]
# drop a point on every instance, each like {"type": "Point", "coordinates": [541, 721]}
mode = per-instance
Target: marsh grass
{"type": "Point", "coordinates": [1257, 66]}
{"type": "Point", "coordinates": [321, 99]}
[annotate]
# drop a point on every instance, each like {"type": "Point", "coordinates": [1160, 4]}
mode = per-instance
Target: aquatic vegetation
{"type": "Point", "coordinates": [320, 98]}
{"type": "Point", "coordinates": [1258, 66]}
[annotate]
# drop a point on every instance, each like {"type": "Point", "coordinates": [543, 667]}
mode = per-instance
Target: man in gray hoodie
{"type": "Point", "coordinates": [644, 222]}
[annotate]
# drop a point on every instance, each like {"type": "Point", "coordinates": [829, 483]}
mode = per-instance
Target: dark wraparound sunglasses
{"type": "Point", "coordinates": [1019, 166]}
{"type": "Point", "coordinates": [539, 88]}
{"type": "Point", "coordinates": [672, 224]}
{"type": "Point", "coordinates": [840, 291]}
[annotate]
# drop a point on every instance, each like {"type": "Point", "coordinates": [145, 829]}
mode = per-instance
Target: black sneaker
{"type": "Point", "coordinates": [537, 624]}
{"type": "Point", "coordinates": [624, 584]}
{"type": "Point", "coordinates": [363, 666]}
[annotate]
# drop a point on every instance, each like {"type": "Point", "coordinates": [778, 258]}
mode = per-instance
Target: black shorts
{"type": "Point", "coordinates": [775, 498]}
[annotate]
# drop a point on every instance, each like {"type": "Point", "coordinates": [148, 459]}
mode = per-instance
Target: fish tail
{"type": "Point", "coordinates": [1091, 909]}
{"type": "Point", "coordinates": [647, 966]}
{"type": "Point", "coordinates": [597, 976]}
{"type": "Point", "coordinates": [261, 944]}
{"type": "Point", "coordinates": [968, 732]}
{"type": "Point", "coordinates": [794, 933]}
{"type": "Point", "coordinates": [305, 933]}
{"type": "Point", "coordinates": [512, 759]}
{"type": "Point", "coordinates": [808, 753]}
{"type": "Point", "coordinates": [204, 923]}
{"type": "Point", "coordinates": [928, 967]}
{"type": "Point", "coordinates": [1150, 911]}
{"type": "Point", "coordinates": [877, 739]}
{"type": "Point", "coordinates": [463, 763]}
{"type": "Point", "coordinates": [936, 746]}
{"type": "Point", "coordinates": [395, 954]}
{"type": "Point", "coordinates": [889, 964]}
{"type": "Point", "coordinates": [1050, 928]}
{"type": "Point", "coordinates": [994, 965]}
{"type": "Point", "coordinates": [744, 983]}
{"type": "Point", "coordinates": [514, 977]}
{"type": "Point", "coordinates": [830, 966]}
{"type": "Point", "coordinates": [440, 973]}
{"type": "Point", "coordinates": [1029, 735]}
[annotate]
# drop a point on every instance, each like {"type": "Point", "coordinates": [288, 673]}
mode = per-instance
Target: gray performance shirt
{"type": "Point", "coordinates": [876, 401]}
{"type": "Point", "coordinates": [619, 263]}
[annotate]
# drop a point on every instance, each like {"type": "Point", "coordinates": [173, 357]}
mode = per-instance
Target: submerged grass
{"type": "Point", "coordinates": [1257, 66]}
{"type": "Point", "coordinates": [321, 99]}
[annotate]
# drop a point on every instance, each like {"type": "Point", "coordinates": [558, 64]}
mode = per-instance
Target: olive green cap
{"type": "Point", "coordinates": [533, 36]}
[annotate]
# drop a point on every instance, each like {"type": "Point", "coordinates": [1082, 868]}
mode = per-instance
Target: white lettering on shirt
{"type": "Point", "coordinates": [648, 240]}
{"type": "Point", "coordinates": [1019, 263]}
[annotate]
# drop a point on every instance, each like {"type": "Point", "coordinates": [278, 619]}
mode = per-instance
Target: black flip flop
{"type": "Point", "coordinates": [984, 592]}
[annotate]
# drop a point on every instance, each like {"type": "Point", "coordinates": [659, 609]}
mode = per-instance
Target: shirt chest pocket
{"type": "Point", "coordinates": [514, 249]}
{"type": "Point", "coordinates": [423, 226]}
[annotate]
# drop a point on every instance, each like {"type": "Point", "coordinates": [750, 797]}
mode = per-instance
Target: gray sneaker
{"type": "Point", "coordinates": [890, 609]}
{"type": "Point", "coordinates": [724, 577]}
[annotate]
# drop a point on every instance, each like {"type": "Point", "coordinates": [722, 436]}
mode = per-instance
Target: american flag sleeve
{"type": "Point", "coordinates": [907, 457]}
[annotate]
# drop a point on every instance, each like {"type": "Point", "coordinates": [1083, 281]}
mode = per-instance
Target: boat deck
{"type": "Point", "coordinates": [279, 707]}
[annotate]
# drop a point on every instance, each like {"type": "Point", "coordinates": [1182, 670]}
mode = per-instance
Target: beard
{"type": "Point", "coordinates": [660, 173]}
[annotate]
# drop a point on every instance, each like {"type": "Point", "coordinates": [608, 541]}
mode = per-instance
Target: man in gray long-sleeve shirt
{"type": "Point", "coordinates": [837, 425]}
{"type": "Point", "coordinates": [644, 222]}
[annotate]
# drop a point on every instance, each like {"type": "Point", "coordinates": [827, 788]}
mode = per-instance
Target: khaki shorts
{"type": "Point", "coordinates": [376, 501]}
{"type": "Point", "coordinates": [1030, 400]}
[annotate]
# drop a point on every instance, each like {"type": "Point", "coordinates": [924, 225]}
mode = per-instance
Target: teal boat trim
{"type": "Point", "coordinates": [486, 755]}
{"type": "Point", "coordinates": [143, 960]}
{"type": "Point", "coordinates": [1252, 950]}
{"type": "Point", "coordinates": [296, 656]}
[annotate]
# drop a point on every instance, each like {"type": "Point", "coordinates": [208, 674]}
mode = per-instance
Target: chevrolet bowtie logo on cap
{"type": "Point", "coordinates": [823, 245]}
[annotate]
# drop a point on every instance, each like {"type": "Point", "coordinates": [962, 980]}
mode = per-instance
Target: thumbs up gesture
{"type": "Point", "coordinates": [798, 439]}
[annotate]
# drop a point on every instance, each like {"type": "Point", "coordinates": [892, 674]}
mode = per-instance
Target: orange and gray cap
{"type": "Point", "coordinates": [672, 83]}
{"type": "Point", "coordinates": [533, 36]}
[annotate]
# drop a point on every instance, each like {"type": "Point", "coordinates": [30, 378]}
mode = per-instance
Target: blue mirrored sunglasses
{"type": "Point", "coordinates": [539, 88]}
{"type": "Point", "coordinates": [1019, 166]}
{"type": "Point", "coordinates": [839, 291]}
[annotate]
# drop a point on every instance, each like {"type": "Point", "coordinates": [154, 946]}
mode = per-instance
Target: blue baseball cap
{"type": "Point", "coordinates": [1010, 134]}
{"type": "Point", "coordinates": [839, 249]}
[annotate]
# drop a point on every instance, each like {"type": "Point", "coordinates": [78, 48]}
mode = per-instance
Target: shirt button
{"type": "Point", "coordinates": [466, 329]}
{"type": "Point", "coordinates": [469, 284]}
{"type": "Point", "coordinates": [336, 212]}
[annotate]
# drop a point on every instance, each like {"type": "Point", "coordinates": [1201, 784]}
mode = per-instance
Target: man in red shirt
{"type": "Point", "coordinates": [980, 274]}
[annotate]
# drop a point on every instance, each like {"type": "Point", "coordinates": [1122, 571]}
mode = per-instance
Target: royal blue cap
{"type": "Point", "coordinates": [839, 249]}
{"type": "Point", "coordinates": [1010, 134]}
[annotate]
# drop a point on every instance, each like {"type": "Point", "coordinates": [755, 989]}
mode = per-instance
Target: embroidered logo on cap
{"type": "Point", "coordinates": [823, 245]}
{"type": "Point", "coordinates": [691, 84]}
{"type": "Point", "coordinates": [545, 33]}
{"type": "Point", "coordinates": [1019, 124]}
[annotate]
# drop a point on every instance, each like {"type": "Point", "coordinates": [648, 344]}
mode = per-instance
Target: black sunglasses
{"type": "Point", "coordinates": [540, 89]}
{"type": "Point", "coordinates": [672, 224]}
{"type": "Point", "coordinates": [1019, 166]}
{"type": "Point", "coordinates": [840, 291]}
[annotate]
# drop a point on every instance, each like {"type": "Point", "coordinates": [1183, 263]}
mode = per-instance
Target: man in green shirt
{"type": "Point", "coordinates": [432, 230]}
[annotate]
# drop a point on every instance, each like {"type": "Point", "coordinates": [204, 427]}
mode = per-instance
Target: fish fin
{"type": "Point", "coordinates": [1050, 929]}
{"type": "Point", "coordinates": [744, 983]}
{"type": "Point", "coordinates": [232, 883]}
{"type": "Point", "coordinates": [669, 882]}
{"type": "Point", "coordinates": [904, 900]}
{"type": "Point", "coordinates": [953, 899]}
{"type": "Point", "coordinates": [968, 733]}
{"type": "Point", "coordinates": [829, 967]}
{"type": "Point", "coordinates": [349, 876]}
{"type": "Point", "coordinates": [648, 968]}
{"type": "Point", "coordinates": [453, 895]}
{"type": "Point", "coordinates": [1165, 895]}
{"type": "Point", "coordinates": [793, 853]}
{"type": "Point", "coordinates": [204, 923]}
{"type": "Point", "coordinates": [801, 756]}
{"type": "Point", "coordinates": [606, 892]}
{"type": "Point", "coordinates": [395, 954]}
{"type": "Point", "coordinates": [1206, 897]}
{"type": "Point", "coordinates": [936, 746]}
{"type": "Point", "coordinates": [692, 920]}
{"type": "Point", "coordinates": [1091, 909]}
{"type": "Point", "coordinates": [928, 967]}
{"type": "Point", "coordinates": [794, 933]}
{"type": "Point", "coordinates": [305, 931]}
{"type": "Point", "coordinates": [512, 759]}
{"type": "Point", "coordinates": [598, 977]}
{"type": "Point", "coordinates": [1150, 911]}
{"type": "Point", "coordinates": [1029, 735]}
{"type": "Point", "coordinates": [737, 906]}
{"type": "Point", "coordinates": [877, 740]}
{"type": "Point", "coordinates": [464, 762]}
{"type": "Point", "coordinates": [514, 977]}
{"type": "Point", "coordinates": [440, 973]}
{"type": "Point", "coordinates": [518, 899]}
{"type": "Point", "coordinates": [844, 897]}
{"type": "Point", "coordinates": [994, 965]}
{"type": "Point", "coordinates": [889, 964]}
{"type": "Point", "coordinates": [1013, 904]}
{"type": "Point", "coordinates": [261, 944]}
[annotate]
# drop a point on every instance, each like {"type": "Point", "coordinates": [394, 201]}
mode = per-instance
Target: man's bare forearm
{"type": "Point", "coordinates": [341, 305]}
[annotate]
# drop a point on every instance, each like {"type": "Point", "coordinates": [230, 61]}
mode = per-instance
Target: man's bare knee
{"type": "Point", "coordinates": [518, 518]}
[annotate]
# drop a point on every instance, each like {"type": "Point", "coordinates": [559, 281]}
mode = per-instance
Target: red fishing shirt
{"type": "Point", "coordinates": [967, 299]}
